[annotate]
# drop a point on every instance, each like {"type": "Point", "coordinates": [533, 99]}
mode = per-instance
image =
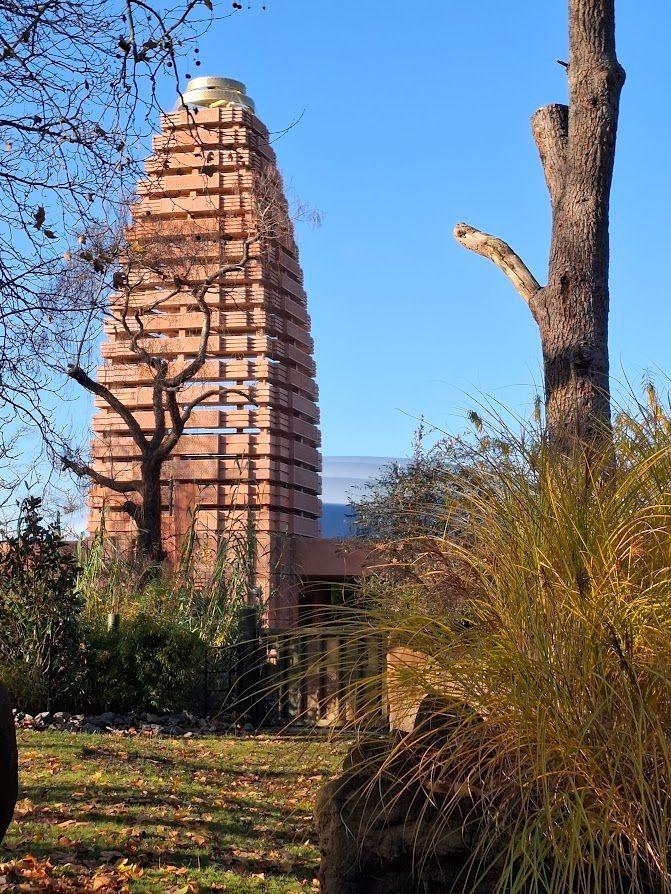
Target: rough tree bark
{"type": "Point", "coordinates": [576, 144]}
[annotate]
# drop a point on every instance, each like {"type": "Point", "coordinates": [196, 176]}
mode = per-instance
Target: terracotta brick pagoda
{"type": "Point", "coordinates": [250, 454]}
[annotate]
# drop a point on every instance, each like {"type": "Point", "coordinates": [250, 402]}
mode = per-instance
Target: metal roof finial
{"type": "Point", "coordinates": [215, 93]}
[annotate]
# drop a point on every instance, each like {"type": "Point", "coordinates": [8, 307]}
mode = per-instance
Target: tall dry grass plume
{"type": "Point", "coordinates": [544, 659]}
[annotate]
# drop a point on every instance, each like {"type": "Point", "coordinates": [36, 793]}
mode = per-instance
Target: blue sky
{"type": "Point", "coordinates": [416, 116]}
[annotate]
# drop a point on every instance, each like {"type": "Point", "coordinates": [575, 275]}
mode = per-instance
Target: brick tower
{"type": "Point", "coordinates": [249, 455]}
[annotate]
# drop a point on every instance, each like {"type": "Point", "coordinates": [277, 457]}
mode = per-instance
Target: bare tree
{"type": "Point", "coordinates": [178, 254]}
{"type": "Point", "coordinates": [78, 83]}
{"type": "Point", "coordinates": [576, 144]}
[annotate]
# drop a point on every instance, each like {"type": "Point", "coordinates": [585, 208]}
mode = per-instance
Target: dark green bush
{"type": "Point", "coordinates": [145, 665]}
{"type": "Point", "coordinates": [26, 688]}
{"type": "Point", "coordinates": [40, 640]}
{"type": "Point", "coordinates": [49, 661]}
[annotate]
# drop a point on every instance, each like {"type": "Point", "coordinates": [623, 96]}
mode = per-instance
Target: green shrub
{"type": "Point", "coordinates": [26, 688]}
{"type": "Point", "coordinates": [147, 664]}
{"type": "Point", "coordinates": [39, 613]}
{"type": "Point", "coordinates": [169, 615]}
{"type": "Point", "coordinates": [203, 593]}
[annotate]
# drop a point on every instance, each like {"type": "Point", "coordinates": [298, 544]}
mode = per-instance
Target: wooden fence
{"type": "Point", "coordinates": [332, 675]}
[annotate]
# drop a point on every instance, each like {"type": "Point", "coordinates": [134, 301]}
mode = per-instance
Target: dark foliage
{"type": "Point", "coordinates": [146, 665]}
{"type": "Point", "coordinates": [406, 500]}
{"type": "Point", "coordinates": [40, 643]}
{"type": "Point", "coordinates": [410, 511]}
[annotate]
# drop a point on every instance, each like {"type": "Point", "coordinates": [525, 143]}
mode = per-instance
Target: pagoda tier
{"type": "Point", "coordinates": [250, 451]}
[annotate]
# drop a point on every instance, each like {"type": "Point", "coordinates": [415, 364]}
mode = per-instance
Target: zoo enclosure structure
{"type": "Point", "coordinates": [249, 455]}
{"type": "Point", "coordinates": [248, 461]}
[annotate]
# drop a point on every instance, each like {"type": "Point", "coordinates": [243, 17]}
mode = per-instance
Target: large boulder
{"type": "Point", "coordinates": [391, 823]}
{"type": "Point", "coordinates": [381, 832]}
{"type": "Point", "coordinates": [9, 765]}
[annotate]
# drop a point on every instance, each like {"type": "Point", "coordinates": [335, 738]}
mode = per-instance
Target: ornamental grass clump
{"type": "Point", "coordinates": [556, 647]}
{"type": "Point", "coordinates": [202, 593]}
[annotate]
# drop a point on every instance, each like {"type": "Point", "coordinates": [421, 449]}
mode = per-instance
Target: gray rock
{"type": "Point", "coordinates": [151, 729]}
{"type": "Point", "coordinates": [121, 724]}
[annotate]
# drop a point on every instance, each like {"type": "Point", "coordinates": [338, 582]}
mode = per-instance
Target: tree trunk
{"type": "Point", "coordinates": [577, 149]}
{"type": "Point", "coordinates": [8, 763]}
{"type": "Point", "coordinates": [149, 540]}
{"type": "Point", "coordinates": [574, 330]}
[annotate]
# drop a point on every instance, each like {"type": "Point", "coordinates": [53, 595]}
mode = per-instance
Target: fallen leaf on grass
{"type": "Point", "coordinates": [199, 840]}
{"type": "Point", "coordinates": [130, 869]}
{"type": "Point", "coordinates": [102, 882]}
{"type": "Point", "coordinates": [32, 875]}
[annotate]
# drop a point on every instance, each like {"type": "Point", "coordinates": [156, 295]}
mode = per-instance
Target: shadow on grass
{"type": "Point", "coordinates": [111, 819]}
{"type": "Point", "coordinates": [219, 804]}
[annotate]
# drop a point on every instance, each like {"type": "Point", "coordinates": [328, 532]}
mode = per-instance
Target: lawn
{"type": "Point", "coordinates": [106, 814]}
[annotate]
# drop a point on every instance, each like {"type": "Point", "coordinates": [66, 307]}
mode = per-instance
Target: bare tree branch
{"type": "Point", "coordinates": [501, 254]}
{"type": "Point", "coordinates": [83, 470]}
{"type": "Point", "coordinates": [82, 378]}
{"type": "Point", "coordinates": [180, 420]}
{"type": "Point", "coordinates": [132, 509]}
{"type": "Point", "coordinates": [78, 98]}
{"type": "Point", "coordinates": [192, 368]}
